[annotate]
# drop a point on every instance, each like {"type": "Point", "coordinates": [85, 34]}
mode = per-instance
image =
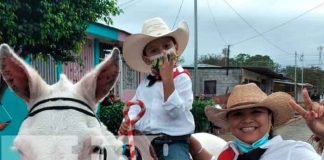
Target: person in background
{"type": "Point", "coordinates": [167, 90]}
{"type": "Point", "coordinates": [315, 97]}
{"type": "Point", "coordinates": [251, 116]}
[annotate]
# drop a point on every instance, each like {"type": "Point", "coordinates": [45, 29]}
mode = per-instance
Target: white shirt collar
{"type": "Point", "coordinates": [272, 141]}
{"type": "Point", "coordinates": [179, 68]}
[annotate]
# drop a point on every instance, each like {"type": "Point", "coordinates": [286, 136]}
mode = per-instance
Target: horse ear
{"type": "Point", "coordinates": [95, 85]}
{"type": "Point", "coordinates": [19, 76]}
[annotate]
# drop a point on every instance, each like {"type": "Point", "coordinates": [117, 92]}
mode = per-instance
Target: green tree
{"type": "Point", "coordinates": [313, 75]}
{"type": "Point", "coordinates": [55, 27]}
{"type": "Point", "coordinates": [212, 59]}
{"type": "Point", "coordinates": [241, 60]}
{"type": "Point", "coordinates": [245, 60]}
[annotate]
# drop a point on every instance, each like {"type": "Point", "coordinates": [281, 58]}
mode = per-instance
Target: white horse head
{"type": "Point", "coordinates": [61, 124]}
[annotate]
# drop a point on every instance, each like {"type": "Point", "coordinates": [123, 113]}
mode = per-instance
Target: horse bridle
{"type": "Point", "coordinates": [33, 111]}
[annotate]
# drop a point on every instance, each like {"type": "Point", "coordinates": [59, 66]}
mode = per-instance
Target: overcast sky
{"type": "Point", "coordinates": [220, 23]}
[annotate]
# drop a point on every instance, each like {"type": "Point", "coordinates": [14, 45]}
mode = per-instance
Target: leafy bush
{"type": "Point", "coordinates": [112, 115]}
{"type": "Point", "coordinates": [198, 111]}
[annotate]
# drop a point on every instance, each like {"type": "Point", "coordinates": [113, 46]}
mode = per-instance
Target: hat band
{"type": "Point", "coordinates": [160, 55]}
{"type": "Point", "coordinates": [241, 104]}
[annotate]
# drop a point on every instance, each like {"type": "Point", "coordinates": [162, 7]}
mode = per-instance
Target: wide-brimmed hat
{"type": "Point", "coordinates": [152, 29]}
{"type": "Point", "coordinates": [249, 96]}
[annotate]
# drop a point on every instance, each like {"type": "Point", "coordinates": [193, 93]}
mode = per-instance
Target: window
{"type": "Point", "coordinates": [105, 49]}
{"type": "Point", "coordinates": [210, 87]}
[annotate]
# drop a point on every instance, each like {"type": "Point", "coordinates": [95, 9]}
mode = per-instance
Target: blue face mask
{"type": "Point", "coordinates": [247, 147]}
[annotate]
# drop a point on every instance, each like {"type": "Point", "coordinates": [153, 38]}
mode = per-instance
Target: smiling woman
{"type": "Point", "coordinates": [249, 125]}
{"type": "Point", "coordinates": [250, 115]}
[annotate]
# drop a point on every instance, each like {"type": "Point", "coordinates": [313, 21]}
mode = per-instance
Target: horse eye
{"type": "Point", "coordinates": [96, 149]}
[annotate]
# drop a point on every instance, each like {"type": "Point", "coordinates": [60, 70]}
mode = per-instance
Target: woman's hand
{"type": "Point", "coordinates": [313, 115]}
{"type": "Point", "coordinates": [123, 129]}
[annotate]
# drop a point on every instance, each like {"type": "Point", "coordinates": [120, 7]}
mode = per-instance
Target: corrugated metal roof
{"type": "Point", "coordinates": [293, 83]}
{"type": "Point", "coordinates": [260, 70]}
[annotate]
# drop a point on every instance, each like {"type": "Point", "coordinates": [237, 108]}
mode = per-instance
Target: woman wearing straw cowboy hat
{"type": "Point", "coordinates": [166, 92]}
{"type": "Point", "coordinates": [251, 115]}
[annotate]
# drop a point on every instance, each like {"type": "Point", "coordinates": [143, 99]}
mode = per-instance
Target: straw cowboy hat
{"type": "Point", "coordinates": [249, 96]}
{"type": "Point", "coordinates": [154, 28]}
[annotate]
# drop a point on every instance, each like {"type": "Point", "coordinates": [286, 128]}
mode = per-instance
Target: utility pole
{"type": "Point", "coordinates": [302, 68]}
{"type": "Point", "coordinates": [320, 49]}
{"type": "Point", "coordinates": [227, 58]}
{"type": "Point", "coordinates": [196, 49]}
{"type": "Point", "coordinates": [295, 96]}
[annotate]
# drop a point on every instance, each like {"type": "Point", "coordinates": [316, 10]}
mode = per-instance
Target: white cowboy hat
{"type": "Point", "coordinates": [152, 29]}
{"type": "Point", "coordinates": [249, 96]}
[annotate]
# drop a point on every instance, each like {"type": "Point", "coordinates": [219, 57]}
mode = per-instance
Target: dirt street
{"type": "Point", "coordinates": [296, 130]}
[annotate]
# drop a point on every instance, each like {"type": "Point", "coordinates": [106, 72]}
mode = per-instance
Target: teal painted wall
{"type": "Point", "coordinates": [59, 70]}
{"type": "Point", "coordinates": [102, 31]}
{"type": "Point", "coordinates": [96, 52]}
{"type": "Point", "coordinates": [7, 153]}
{"type": "Point", "coordinates": [17, 109]}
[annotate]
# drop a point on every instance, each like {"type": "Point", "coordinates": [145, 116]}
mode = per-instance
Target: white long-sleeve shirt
{"type": "Point", "coordinates": [279, 149]}
{"type": "Point", "coordinates": [172, 117]}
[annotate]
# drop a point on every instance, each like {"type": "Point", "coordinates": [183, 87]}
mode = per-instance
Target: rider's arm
{"type": "Point", "coordinates": [181, 98]}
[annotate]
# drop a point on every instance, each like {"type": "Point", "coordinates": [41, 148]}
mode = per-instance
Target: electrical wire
{"type": "Point", "coordinates": [176, 19]}
{"type": "Point", "coordinates": [245, 21]}
{"type": "Point", "coordinates": [280, 25]}
{"type": "Point", "coordinates": [216, 25]}
{"type": "Point", "coordinates": [125, 3]}
{"type": "Point", "coordinates": [130, 4]}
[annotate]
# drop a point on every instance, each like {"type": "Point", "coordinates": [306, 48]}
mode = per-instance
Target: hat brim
{"type": "Point", "coordinates": [134, 45]}
{"type": "Point", "coordinates": [276, 102]}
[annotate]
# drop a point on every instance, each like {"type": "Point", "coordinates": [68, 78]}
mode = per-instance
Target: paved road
{"type": "Point", "coordinates": [296, 130]}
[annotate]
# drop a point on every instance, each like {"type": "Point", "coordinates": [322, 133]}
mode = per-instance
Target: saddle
{"type": "Point", "coordinates": [143, 147]}
{"type": "Point", "coordinates": [144, 143]}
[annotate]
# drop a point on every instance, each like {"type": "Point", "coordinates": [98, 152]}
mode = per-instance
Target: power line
{"type": "Point", "coordinates": [125, 3]}
{"type": "Point", "coordinates": [276, 46]}
{"type": "Point", "coordinates": [216, 25]}
{"type": "Point", "coordinates": [130, 4]}
{"type": "Point", "coordinates": [176, 19]}
{"type": "Point", "coordinates": [280, 25]}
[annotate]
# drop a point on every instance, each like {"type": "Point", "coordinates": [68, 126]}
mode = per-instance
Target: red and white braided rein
{"type": "Point", "coordinates": [131, 123]}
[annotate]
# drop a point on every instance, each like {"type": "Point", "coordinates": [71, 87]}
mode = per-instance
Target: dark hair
{"type": "Point", "coordinates": [271, 132]}
{"type": "Point", "coordinates": [172, 38]}
{"type": "Point", "coordinates": [317, 143]}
